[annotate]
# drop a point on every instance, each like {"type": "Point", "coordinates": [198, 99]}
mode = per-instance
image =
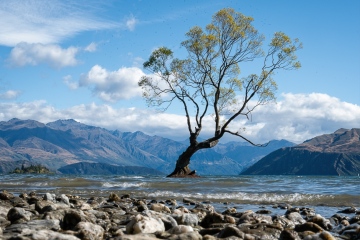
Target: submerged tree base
{"type": "Point", "coordinates": [183, 176]}
{"type": "Point", "coordinates": [183, 173]}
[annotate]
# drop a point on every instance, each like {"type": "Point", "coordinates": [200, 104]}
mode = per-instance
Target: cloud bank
{"type": "Point", "coordinates": [297, 117]}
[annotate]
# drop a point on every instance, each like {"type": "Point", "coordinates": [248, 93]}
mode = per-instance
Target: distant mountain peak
{"type": "Point", "coordinates": [71, 121]}
{"type": "Point", "coordinates": [64, 122]}
{"type": "Point", "coordinates": [341, 131]}
{"type": "Point", "coordinates": [16, 123]}
{"type": "Point", "coordinates": [342, 140]}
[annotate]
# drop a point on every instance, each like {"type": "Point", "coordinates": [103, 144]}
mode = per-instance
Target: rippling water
{"type": "Point", "coordinates": [327, 193]}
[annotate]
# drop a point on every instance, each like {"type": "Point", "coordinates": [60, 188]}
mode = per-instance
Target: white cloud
{"type": "Point", "coordinates": [91, 47]}
{"type": "Point", "coordinates": [131, 23]}
{"type": "Point", "coordinates": [36, 53]}
{"type": "Point", "coordinates": [37, 110]}
{"type": "Point", "coordinates": [10, 94]}
{"type": "Point", "coordinates": [71, 84]}
{"type": "Point", "coordinates": [297, 117]}
{"type": "Point", "coordinates": [47, 22]}
{"type": "Point", "coordinates": [123, 119]}
{"type": "Point", "coordinates": [112, 86]}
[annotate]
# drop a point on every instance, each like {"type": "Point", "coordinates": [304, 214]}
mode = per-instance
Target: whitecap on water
{"type": "Point", "coordinates": [242, 197]}
{"type": "Point", "coordinates": [129, 177]}
{"type": "Point", "coordinates": [122, 185]}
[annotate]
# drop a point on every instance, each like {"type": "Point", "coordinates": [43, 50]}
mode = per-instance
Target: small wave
{"type": "Point", "coordinates": [12, 184]}
{"type": "Point", "coordinates": [264, 198]}
{"type": "Point", "coordinates": [268, 197]}
{"type": "Point", "coordinates": [39, 184]}
{"type": "Point", "coordinates": [123, 185]}
{"type": "Point", "coordinates": [130, 177]}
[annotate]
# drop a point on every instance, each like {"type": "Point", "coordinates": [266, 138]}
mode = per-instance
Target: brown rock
{"type": "Point", "coordinates": [113, 197]}
{"type": "Point", "coordinates": [89, 231]}
{"type": "Point", "coordinates": [289, 234]}
{"type": "Point", "coordinates": [308, 226]}
{"type": "Point", "coordinates": [5, 195]}
{"type": "Point", "coordinates": [159, 207]}
{"type": "Point", "coordinates": [213, 218]}
{"type": "Point", "coordinates": [18, 215]}
{"type": "Point", "coordinates": [230, 232]}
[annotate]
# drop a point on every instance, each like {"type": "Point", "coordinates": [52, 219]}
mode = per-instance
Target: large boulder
{"type": "Point", "coordinates": [45, 206]}
{"type": "Point", "coordinates": [180, 229]}
{"type": "Point", "coordinates": [72, 217]}
{"type": "Point", "coordinates": [44, 234]}
{"type": "Point", "coordinates": [249, 217]}
{"type": "Point", "coordinates": [17, 215]}
{"type": "Point", "coordinates": [188, 219]}
{"type": "Point", "coordinates": [89, 231]}
{"type": "Point", "coordinates": [231, 232]}
{"type": "Point", "coordinates": [5, 195]}
{"type": "Point", "coordinates": [34, 225]}
{"type": "Point", "coordinates": [159, 207]}
{"type": "Point", "coordinates": [216, 218]}
{"type": "Point", "coordinates": [169, 221]}
{"type": "Point", "coordinates": [143, 224]}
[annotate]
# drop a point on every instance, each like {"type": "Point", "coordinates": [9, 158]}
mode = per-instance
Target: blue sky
{"type": "Point", "coordinates": [82, 60]}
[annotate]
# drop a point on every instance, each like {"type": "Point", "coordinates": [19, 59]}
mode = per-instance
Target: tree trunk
{"type": "Point", "coordinates": [182, 169]}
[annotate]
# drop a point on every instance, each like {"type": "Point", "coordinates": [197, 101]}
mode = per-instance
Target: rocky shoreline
{"type": "Point", "coordinates": [64, 217]}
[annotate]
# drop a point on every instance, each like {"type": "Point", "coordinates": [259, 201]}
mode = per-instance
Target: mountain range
{"type": "Point", "coordinates": [337, 153]}
{"type": "Point", "coordinates": [73, 147]}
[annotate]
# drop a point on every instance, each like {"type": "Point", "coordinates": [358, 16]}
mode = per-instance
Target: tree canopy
{"type": "Point", "coordinates": [209, 80]}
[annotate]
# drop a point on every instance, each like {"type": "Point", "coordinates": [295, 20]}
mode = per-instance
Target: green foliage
{"type": "Point", "coordinates": [209, 81]}
{"type": "Point", "coordinates": [38, 169]}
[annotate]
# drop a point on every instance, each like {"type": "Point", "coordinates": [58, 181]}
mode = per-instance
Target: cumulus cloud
{"type": "Point", "coordinates": [10, 94]}
{"type": "Point", "coordinates": [297, 117]}
{"type": "Point", "coordinates": [48, 22]}
{"type": "Point", "coordinates": [112, 86]}
{"type": "Point", "coordinates": [36, 53]}
{"type": "Point", "coordinates": [37, 110]}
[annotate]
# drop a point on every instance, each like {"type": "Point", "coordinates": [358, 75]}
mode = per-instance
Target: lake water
{"type": "Point", "coordinates": [327, 194]}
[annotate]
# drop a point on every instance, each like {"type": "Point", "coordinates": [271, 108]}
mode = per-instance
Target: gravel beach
{"type": "Point", "coordinates": [49, 216]}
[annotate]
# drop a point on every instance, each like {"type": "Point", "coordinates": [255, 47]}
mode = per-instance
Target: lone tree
{"type": "Point", "coordinates": [208, 81]}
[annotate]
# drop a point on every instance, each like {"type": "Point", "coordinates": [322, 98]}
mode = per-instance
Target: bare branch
{"type": "Point", "coordinates": [247, 140]}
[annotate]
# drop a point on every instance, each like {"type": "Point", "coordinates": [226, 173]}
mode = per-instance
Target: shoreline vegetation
{"type": "Point", "coordinates": [32, 169]}
{"type": "Point", "coordinates": [51, 216]}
